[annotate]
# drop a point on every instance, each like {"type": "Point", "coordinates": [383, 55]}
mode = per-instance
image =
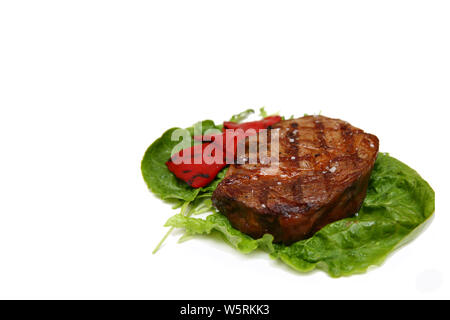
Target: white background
{"type": "Point", "coordinates": [86, 86]}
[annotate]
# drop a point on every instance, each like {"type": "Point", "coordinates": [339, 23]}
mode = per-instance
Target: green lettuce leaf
{"type": "Point", "coordinates": [242, 116]}
{"type": "Point", "coordinates": [219, 223]}
{"type": "Point", "coordinates": [263, 113]}
{"type": "Point", "coordinates": [398, 202]}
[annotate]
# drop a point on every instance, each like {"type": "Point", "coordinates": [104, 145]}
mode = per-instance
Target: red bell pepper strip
{"type": "Point", "coordinates": [202, 168]}
{"type": "Point", "coordinates": [199, 170]}
{"type": "Point", "coordinates": [257, 125]}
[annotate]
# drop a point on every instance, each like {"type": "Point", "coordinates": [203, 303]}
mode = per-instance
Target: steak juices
{"type": "Point", "coordinates": [322, 176]}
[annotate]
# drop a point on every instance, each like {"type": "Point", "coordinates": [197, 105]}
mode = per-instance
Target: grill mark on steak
{"type": "Point", "coordinates": [326, 182]}
{"type": "Point", "coordinates": [318, 124]}
{"type": "Point", "coordinates": [292, 147]}
{"type": "Point", "coordinates": [349, 139]}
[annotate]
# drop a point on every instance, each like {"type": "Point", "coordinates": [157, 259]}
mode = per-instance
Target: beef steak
{"type": "Point", "coordinates": [322, 176]}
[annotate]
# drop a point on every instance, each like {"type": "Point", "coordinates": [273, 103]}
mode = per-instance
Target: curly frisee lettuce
{"type": "Point", "coordinates": [397, 204]}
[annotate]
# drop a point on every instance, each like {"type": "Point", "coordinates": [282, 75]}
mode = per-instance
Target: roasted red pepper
{"type": "Point", "coordinates": [199, 169]}
{"type": "Point", "coordinates": [257, 125]}
{"type": "Point", "coordinates": [201, 163]}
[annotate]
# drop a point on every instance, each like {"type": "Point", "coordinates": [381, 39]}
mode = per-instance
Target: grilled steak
{"type": "Point", "coordinates": [322, 176]}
